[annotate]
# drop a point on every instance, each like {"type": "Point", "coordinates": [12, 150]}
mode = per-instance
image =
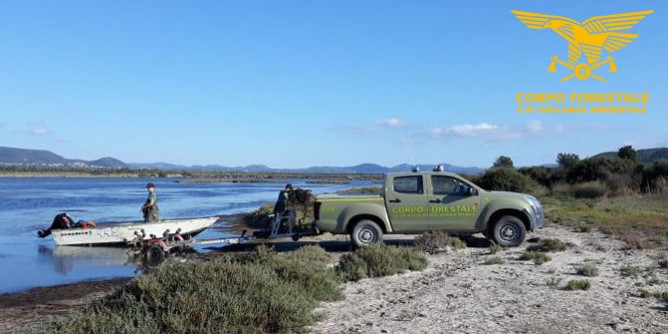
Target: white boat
{"type": "Point", "coordinates": [120, 233]}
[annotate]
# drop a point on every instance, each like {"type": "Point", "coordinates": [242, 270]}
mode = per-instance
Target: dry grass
{"type": "Point", "coordinates": [437, 241]}
{"type": "Point", "coordinates": [493, 260]}
{"type": "Point", "coordinates": [587, 269]}
{"type": "Point", "coordinates": [548, 245]}
{"type": "Point", "coordinates": [538, 257]}
{"type": "Point", "coordinates": [379, 260]}
{"type": "Point", "coordinates": [640, 221]}
{"type": "Point", "coordinates": [577, 284]}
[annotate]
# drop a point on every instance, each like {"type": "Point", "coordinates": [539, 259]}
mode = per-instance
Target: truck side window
{"type": "Point", "coordinates": [445, 185]}
{"type": "Point", "coordinates": [408, 184]}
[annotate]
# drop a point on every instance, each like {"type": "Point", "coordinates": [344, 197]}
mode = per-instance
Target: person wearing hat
{"type": "Point", "coordinates": [281, 205]}
{"type": "Point", "coordinates": [150, 208]}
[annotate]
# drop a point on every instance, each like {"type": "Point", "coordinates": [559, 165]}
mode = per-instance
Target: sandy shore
{"type": "Point", "coordinates": [458, 293]}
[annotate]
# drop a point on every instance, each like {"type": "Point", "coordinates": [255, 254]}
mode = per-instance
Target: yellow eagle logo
{"type": "Point", "coordinates": [589, 37]}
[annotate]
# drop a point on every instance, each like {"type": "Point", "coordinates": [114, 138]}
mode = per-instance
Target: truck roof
{"type": "Point", "coordinates": [430, 172]}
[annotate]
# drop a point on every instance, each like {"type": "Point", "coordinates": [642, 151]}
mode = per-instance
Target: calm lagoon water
{"type": "Point", "coordinates": [28, 204]}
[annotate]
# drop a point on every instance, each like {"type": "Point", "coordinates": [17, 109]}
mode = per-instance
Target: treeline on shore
{"type": "Point", "coordinates": [184, 176]}
{"type": "Point", "coordinates": [583, 178]}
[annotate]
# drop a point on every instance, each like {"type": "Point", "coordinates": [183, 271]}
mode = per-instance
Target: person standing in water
{"type": "Point", "coordinates": [150, 208]}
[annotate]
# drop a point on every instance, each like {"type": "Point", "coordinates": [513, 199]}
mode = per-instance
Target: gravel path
{"type": "Point", "coordinates": [458, 293]}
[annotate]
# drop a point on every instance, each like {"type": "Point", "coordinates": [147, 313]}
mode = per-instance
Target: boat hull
{"type": "Point", "coordinates": [120, 233]}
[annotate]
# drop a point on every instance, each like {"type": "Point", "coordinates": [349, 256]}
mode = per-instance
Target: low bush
{"type": "Point", "coordinates": [259, 292]}
{"type": "Point", "coordinates": [263, 292]}
{"type": "Point", "coordinates": [495, 248]}
{"type": "Point", "coordinates": [663, 263]}
{"type": "Point", "coordinates": [437, 241]}
{"type": "Point", "coordinates": [548, 245]}
{"type": "Point", "coordinates": [631, 271]}
{"type": "Point", "coordinates": [583, 228]}
{"type": "Point", "coordinates": [587, 269]}
{"type": "Point", "coordinates": [379, 260]}
{"type": "Point", "coordinates": [578, 284]}
{"type": "Point", "coordinates": [553, 282]}
{"type": "Point", "coordinates": [493, 260]}
{"type": "Point", "coordinates": [538, 257]}
{"type": "Point", "coordinates": [590, 190]}
{"type": "Point", "coordinates": [507, 179]}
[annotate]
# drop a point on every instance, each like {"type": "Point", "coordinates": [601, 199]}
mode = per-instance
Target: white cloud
{"type": "Point", "coordinates": [390, 122]}
{"type": "Point", "coordinates": [475, 130]}
{"type": "Point", "coordinates": [482, 130]}
{"type": "Point", "coordinates": [356, 129]}
{"type": "Point", "coordinates": [40, 132]}
{"type": "Point", "coordinates": [435, 133]}
{"type": "Point", "coordinates": [559, 128]}
{"type": "Point", "coordinates": [534, 127]}
{"type": "Point", "coordinates": [493, 131]}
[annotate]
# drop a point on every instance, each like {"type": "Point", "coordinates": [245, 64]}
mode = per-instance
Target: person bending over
{"type": "Point", "coordinates": [63, 221]}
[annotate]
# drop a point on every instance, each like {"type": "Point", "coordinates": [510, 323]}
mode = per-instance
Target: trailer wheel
{"type": "Point", "coordinates": [154, 256]}
{"type": "Point", "coordinates": [509, 231]}
{"type": "Point", "coordinates": [366, 232]}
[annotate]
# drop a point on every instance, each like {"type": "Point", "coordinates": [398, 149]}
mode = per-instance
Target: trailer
{"type": "Point", "coordinates": [154, 249]}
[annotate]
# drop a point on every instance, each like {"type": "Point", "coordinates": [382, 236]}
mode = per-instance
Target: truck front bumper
{"type": "Point", "coordinates": [536, 217]}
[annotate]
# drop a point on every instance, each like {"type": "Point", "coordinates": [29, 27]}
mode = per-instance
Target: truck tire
{"type": "Point", "coordinates": [508, 231]}
{"type": "Point", "coordinates": [366, 232]}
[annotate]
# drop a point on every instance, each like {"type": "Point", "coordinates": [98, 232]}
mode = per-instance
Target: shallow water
{"type": "Point", "coordinates": [28, 204]}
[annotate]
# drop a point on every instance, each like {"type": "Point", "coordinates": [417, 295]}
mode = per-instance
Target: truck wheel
{"type": "Point", "coordinates": [366, 232]}
{"type": "Point", "coordinates": [509, 231]}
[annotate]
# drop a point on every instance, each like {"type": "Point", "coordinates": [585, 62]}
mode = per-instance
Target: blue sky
{"type": "Point", "coordinates": [302, 83]}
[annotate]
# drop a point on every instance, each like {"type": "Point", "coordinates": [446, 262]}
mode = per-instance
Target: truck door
{"type": "Point", "coordinates": [406, 203]}
{"type": "Point", "coordinates": [453, 204]}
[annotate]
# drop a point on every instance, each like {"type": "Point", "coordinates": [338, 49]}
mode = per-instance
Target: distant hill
{"type": "Point", "coordinates": [645, 156]}
{"type": "Point", "coordinates": [12, 155]}
{"type": "Point", "coordinates": [27, 157]}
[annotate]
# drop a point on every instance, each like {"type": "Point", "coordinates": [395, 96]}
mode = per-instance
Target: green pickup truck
{"type": "Point", "coordinates": [415, 202]}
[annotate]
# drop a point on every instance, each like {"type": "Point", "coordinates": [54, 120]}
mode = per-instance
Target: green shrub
{"type": "Point", "coordinates": [436, 241]}
{"type": "Point", "coordinates": [540, 174]}
{"type": "Point", "coordinates": [548, 245]}
{"type": "Point", "coordinates": [495, 248]}
{"type": "Point", "coordinates": [538, 257]}
{"type": "Point", "coordinates": [493, 260]}
{"type": "Point", "coordinates": [507, 179]}
{"type": "Point", "coordinates": [587, 269]}
{"type": "Point", "coordinates": [582, 228]}
{"type": "Point", "coordinates": [631, 271]}
{"type": "Point", "coordinates": [578, 284]}
{"type": "Point", "coordinates": [599, 169]}
{"type": "Point", "coordinates": [663, 295]}
{"type": "Point", "coordinates": [261, 293]}
{"type": "Point", "coordinates": [663, 263]}
{"type": "Point", "coordinates": [590, 190]}
{"type": "Point", "coordinates": [379, 260]}
{"type": "Point", "coordinates": [553, 282]}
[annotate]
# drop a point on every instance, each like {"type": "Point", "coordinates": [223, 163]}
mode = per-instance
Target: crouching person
{"type": "Point", "coordinates": [63, 221]}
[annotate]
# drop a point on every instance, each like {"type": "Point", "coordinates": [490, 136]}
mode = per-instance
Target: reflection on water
{"type": "Point", "coordinates": [66, 258]}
